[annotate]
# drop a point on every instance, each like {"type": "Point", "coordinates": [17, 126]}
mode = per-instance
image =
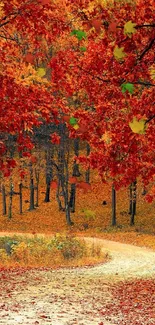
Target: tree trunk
{"type": "Point", "coordinates": [76, 173]}
{"type": "Point", "coordinates": [87, 175]}
{"type": "Point", "coordinates": [113, 206]}
{"type": "Point", "coordinates": [31, 207]}
{"type": "Point", "coordinates": [64, 151]}
{"type": "Point", "coordinates": [20, 198]}
{"type": "Point", "coordinates": [37, 187]}
{"type": "Point", "coordinates": [10, 200]}
{"type": "Point", "coordinates": [134, 196]}
{"type": "Point", "coordinates": [4, 200]}
{"type": "Point", "coordinates": [49, 173]}
{"type": "Point", "coordinates": [72, 197]}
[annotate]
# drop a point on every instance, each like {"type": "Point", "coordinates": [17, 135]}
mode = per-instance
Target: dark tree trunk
{"type": "Point", "coordinates": [49, 173]}
{"type": "Point", "coordinates": [76, 173]}
{"type": "Point", "coordinates": [20, 198]}
{"type": "Point", "coordinates": [64, 169]}
{"type": "Point", "coordinates": [113, 206]}
{"type": "Point", "coordinates": [4, 200]}
{"type": "Point", "coordinates": [31, 207]}
{"type": "Point", "coordinates": [58, 194]}
{"type": "Point", "coordinates": [87, 175]}
{"type": "Point", "coordinates": [37, 187]}
{"type": "Point", "coordinates": [134, 196]}
{"type": "Point", "coordinates": [10, 200]}
{"type": "Point", "coordinates": [72, 197]}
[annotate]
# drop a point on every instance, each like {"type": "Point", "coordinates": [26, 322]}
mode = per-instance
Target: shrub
{"type": "Point", "coordinates": [88, 214]}
{"type": "Point", "coordinates": [69, 246]}
{"type": "Point", "coordinates": [62, 250]}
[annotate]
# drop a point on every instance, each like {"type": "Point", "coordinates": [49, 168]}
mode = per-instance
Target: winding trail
{"type": "Point", "coordinates": [77, 295]}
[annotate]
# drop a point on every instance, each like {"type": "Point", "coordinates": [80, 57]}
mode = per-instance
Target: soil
{"type": "Point", "coordinates": [76, 295]}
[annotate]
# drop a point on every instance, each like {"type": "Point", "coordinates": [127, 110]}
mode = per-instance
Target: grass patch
{"type": "Point", "coordinates": [58, 251]}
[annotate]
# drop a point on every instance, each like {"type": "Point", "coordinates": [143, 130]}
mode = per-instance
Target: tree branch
{"type": "Point", "coordinates": [147, 49]}
{"type": "Point", "coordinates": [151, 118]}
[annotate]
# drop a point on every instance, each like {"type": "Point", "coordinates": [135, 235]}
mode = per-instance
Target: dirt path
{"type": "Point", "coordinates": [74, 296]}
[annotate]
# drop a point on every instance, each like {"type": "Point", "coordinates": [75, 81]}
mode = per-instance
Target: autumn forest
{"type": "Point", "coordinates": [77, 162]}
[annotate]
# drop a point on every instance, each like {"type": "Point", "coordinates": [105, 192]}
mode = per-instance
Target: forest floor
{"type": "Point", "coordinates": [121, 291]}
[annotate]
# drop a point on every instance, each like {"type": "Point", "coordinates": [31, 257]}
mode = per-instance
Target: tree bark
{"type": "Point", "coordinates": [31, 207]}
{"type": "Point", "coordinates": [49, 173]}
{"type": "Point", "coordinates": [4, 200]}
{"type": "Point", "coordinates": [87, 175]}
{"type": "Point", "coordinates": [20, 198]}
{"type": "Point", "coordinates": [10, 200]}
{"type": "Point", "coordinates": [76, 173]}
{"type": "Point", "coordinates": [134, 197]}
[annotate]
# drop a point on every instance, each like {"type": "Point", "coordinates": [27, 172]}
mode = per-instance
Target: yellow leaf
{"type": "Point", "coordinates": [129, 28]}
{"type": "Point", "coordinates": [41, 72]}
{"type": "Point", "coordinates": [106, 137]}
{"type": "Point", "coordinates": [76, 126]}
{"type": "Point", "coordinates": [118, 53]}
{"type": "Point", "coordinates": [138, 126]}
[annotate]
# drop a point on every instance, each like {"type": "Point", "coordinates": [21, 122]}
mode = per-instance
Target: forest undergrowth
{"type": "Point", "coordinates": [91, 218]}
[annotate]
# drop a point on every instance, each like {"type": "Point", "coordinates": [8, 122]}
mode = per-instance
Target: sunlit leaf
{"type": "Point", "coordinates": [129, 28]}
{"type": "Point", "coordinates": [41, 72]}
{"type": "Point", "coordinates": [138, 126]}
{"type": "Point", "coordinates": [119, 53]}
{"type": "Point", "coordinates": [76, 126]}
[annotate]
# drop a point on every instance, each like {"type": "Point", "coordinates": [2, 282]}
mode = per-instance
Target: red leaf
{"type": "Point", "coordinates": [54, 184]}
{"type": "Point", "coordinates": [72, 180]}
{"type": "Point", "coordinates": [6, 172]}
{"type": "Point", "coordinates": [66, 118]}
{"type": "Point", "coordinates": [96, 23]}
{"type": "Point", "coordinates": [83, 185]}
{"type": "Point", "coordinates": [29, 58]}
{"type": "Point", "coordinates": [112, 27]}
{"type": "Point", "coordinates": [55, 138]}
{"type": "Point", "coordinates": [33, 159]}
{"type": "Point", "coordinates": [45, 2]}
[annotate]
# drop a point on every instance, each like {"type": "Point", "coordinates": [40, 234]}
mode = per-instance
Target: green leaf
{"type": "Point", "coordinates": [83, 49]}
{"type": "Point", "coordinates": [79, 34]}
{"type": "Point", "coordinates": [127, 86]}
{"type": "Point", "coordinates": [73, 121]}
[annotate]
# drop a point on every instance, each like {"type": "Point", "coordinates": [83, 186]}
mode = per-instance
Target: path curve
{"type": "Point", "coordinates": [75, 296]}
